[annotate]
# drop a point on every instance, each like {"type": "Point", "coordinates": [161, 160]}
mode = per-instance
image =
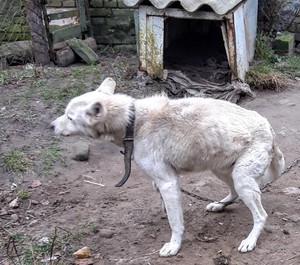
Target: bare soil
{"type": "Point", "coordinates": [126, 225]}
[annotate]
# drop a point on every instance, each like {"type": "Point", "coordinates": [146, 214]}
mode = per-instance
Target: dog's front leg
{"type": "Point", "coordinates": [170, 194]}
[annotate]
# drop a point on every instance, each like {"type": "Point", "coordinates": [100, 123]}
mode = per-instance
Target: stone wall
{"type": "Point", "coordinates": [112, 22]}
{"type": "Point", "coordinates": [13, 26]}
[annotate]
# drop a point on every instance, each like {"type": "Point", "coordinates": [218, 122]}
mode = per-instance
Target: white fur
{"type": "Point", "coordinates": [173, 137]}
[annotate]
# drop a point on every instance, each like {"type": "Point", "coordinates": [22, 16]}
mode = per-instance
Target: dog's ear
{"type": "Point", "coordinates": [107, 86]}
{"type": "Point", "coordinates": [96, 109]}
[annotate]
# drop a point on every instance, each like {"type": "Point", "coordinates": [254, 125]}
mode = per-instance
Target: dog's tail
{"type": "Point", "coordinates": [276, 167]}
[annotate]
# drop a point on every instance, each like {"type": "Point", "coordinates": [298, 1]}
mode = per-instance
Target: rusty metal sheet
{"type": "Point", "coordinates": [219, 7]}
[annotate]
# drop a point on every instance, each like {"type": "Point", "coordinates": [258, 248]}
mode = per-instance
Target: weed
{"type": "Point", "coordinates": [38, 84]}
{"type": "Point", "coordinates": [94, 229]}
{"type": "Point", "coordinates": [271, 71]}
{"type": "Point", "coordinates": [263, 51]}
{"type": "Point", "coordinates": [17, 236]}
{"type": "Point", "coordinates": [23, 194]}
{"type": "Point", "coordinates": [16, 161]}
{"type": "Point", "coordinates": [12, 77]}
{"type": "Point", "coordinates": [290, 66]}
{"type": "Point", "coordinates": [35, 252]}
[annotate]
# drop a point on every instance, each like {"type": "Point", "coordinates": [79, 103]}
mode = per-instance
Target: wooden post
{"type": "Point", "coordinates": [35, 21]}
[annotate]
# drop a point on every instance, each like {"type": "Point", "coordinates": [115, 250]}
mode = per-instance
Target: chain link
{"type": "Point", "coordinates": [294, 163]}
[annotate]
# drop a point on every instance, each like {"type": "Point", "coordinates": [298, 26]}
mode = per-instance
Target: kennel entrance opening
{"type": "Point", "coordinates": [196, 47]}
{"type": "Point", "coordinates": [236, 20]}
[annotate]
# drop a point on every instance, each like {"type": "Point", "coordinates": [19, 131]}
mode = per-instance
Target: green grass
{"type": "Point", "coordinates": [263, 52]}
{"type": "Point", "coordinates": [290, 66]}
{"type": "Point", "coordinates": [271, 71]}
{"type": "Point", "coordinates": [94, 229]}
{"type": "Point", "coordinates": [49, 156]}
{"type": "Point", "coordinates": [35, 252]}
{"type": "Point", "coordinates": [16, 161]}
{"type": "Point", "coordinates": [23, 194]}
{"type": "Point", "coordinates": [17, 236]}
{"type": "Point", "coordinates": [60, 92]}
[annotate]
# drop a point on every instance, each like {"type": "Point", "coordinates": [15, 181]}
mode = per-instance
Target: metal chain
{"type": "Point", "coordinates": [293, 164]}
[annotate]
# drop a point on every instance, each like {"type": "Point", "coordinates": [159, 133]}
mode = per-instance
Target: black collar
{"type": "Point", "coordinates": [128, 146]}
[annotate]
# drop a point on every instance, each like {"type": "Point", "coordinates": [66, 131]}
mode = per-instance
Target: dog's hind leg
{"type": "Point", "coordinates": [220, 205]}
{"type": "Point", "coordinates": [247, 170]}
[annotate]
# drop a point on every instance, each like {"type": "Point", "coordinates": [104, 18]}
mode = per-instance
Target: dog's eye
{"type": "Point", "coordinates": [70, 118]}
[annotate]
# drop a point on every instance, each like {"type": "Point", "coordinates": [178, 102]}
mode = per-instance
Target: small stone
{"type": "Point", "coordinates": [44, 241]}
{"type": "Point", "coordinates": [279, 214]}
{"type": "Point", "coordinates": [3, 211]}
{"type": "Point", "coordinates": [82, 253]}
{"type": "Point", "coordinates": [83, 51]}
{"type": "Point", "coordinates": [294, 218]}
{"type": "Point", "coordinates": [291, 191]}
{"type": "Point", "coordinates": [36, 183]}
{"type": "Point", "coordinates": [80, 151]}
{"type": "Point", "coordinates": [106, 233]}
{"type": "Point", "coordinates": [269, 228]}
{"type": "Point", "coordinates": [32, 223]}
{"type": "Point", "coordinates": [14, 203]}
{"type": "Point", "coordinates": [286, 232]}
{"type": "Point", "coordinates": [45, 202]}
{"type": "Point", "coordinates": [15, 218]}
{"type": "Point", "coordinates": [291, 104]}
{"type": "Point", "coordinates": [34, 202]}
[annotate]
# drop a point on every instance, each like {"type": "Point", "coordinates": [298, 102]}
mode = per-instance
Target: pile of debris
{"type": "Point", "coordinates": [72, 50]}
{"type": "Point", "coordinates": [179, 85]}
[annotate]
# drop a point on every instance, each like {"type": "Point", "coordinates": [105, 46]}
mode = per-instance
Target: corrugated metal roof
{"type": "Point", "coordinates": [220, 7]}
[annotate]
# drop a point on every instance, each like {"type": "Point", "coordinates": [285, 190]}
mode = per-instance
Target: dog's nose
{"type": "Point", "coordinates": [52, 127]}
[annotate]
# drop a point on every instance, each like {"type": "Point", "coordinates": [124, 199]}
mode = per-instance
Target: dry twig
{"type": "Point", "coordinates": [94, 183]}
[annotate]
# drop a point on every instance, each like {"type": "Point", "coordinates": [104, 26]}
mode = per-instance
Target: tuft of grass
{"type": "Point", "coordinates": [263, 51]}
{"type": "Point", "coordinates": [16, 161]}
{"type": "Point", "coordinates": [290, 66]}
{"type": "Point", "coordinates": [23, 194]}
{"type": "Point", "coordinates": [265, 77]}
{"type": "Point", "coordinates": [49, 157]}
{"type": "Point", "coordinates": [271, 71]}
{"type": "Point", "coordinates": [94, 229]}
{"type": "Point", "coordinates": [17, 236]}
{"type": "Point", "coordinates": [62, 93]}
{"type": "Point", "coordinates": [35, 252]}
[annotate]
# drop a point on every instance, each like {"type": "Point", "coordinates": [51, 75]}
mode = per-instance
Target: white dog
{"type": "Point", "coordinates": [172, 137]}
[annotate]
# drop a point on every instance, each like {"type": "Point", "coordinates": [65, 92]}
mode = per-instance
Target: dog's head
{"type": "Point", "coordinates": [84, 112]}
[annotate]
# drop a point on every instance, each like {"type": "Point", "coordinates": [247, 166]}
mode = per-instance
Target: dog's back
{"type": "Point", "coordinates": [195, 134]}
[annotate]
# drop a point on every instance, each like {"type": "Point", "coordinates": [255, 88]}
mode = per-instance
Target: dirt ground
{"type": "Point", "coordinates": [125, 225]}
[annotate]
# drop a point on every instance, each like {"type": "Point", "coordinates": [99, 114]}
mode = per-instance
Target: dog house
{"type": "Point", "coordinates": [185, 29]}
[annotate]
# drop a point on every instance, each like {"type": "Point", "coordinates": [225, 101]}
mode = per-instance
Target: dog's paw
{"type": "Point", "coordinates": [215, 207]}
{"type": "Point", "coordinates": [169, 249]}
{"type": "Point", "coordinates": [247, 245]}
